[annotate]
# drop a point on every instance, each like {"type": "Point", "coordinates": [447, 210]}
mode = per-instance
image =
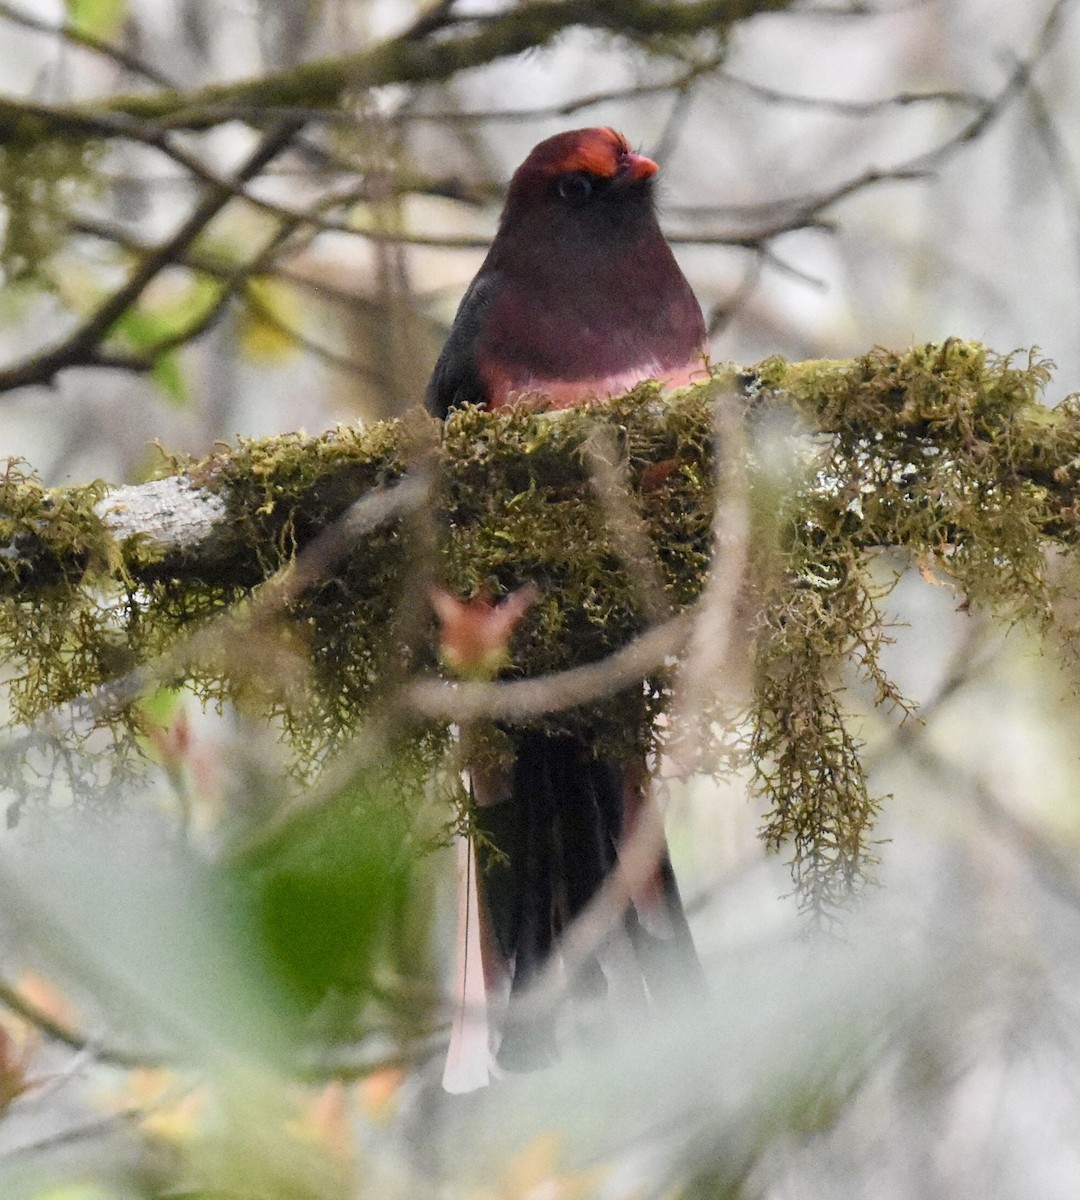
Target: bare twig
{"type": "Point", "coordinates": [776, 217]}
{"type": "Point", "coordinates": [611, 483]}
{"type": "Point", "coordinates": [720, 316]}
{"type": "Point", "coordinates": [267, 264]}
{"type": "Point", "coordinates": [523, 698]}
{"type": "Point", "coordinates": [1061, 165]}
{"type": "Point", "coordinates": [78, 37]}
{"type": "Point", "coordinates": [850, 108]}
{"type": "Point", "coordinates": [99, 1127]}
{"type": "Point", "coordinates": [703, 657]}
{"type": "Point", "coordinates": [703, 672]}
{"type": "Point", "coordinates": [319, 558]}
{"type": "Point", "coordinates": [13, 1000]}
{"type": "Point", "coordinates": [331, 358]}
{"type": "Point", "coordinates": [569, 108]}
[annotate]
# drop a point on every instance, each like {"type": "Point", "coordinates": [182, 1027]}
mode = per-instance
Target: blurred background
{"type": "Point", "coordinates": [835, 176]}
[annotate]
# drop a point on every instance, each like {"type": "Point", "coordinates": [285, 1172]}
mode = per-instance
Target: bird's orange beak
{"type": "Point", "coordinates": [636, 167]}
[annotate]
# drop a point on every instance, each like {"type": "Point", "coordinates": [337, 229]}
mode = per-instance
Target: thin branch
{"type": "Point", "coordinates": [569, 108]}
{"type": "Point", "coordinates": [434, 19]}
{"type": "Point", "coordinates": [56, 1031]}
{"type": "Point", "coordinates": [1017, 82]}
{"type": "Point", "coordinates": [260, 267]}
{"type": "Point", "coordinates": [82, 347]}
{"type": "Point", "coordinates": [799, 212]}
{"type": "Point", "coordinates": [98, 1128]}
{"type": "Point", "coordinates": [520, 699]}
{"type": "Point", "coordinates": [87, 41]}
{"type": "Point", "coordinates": [703, 658]}
{"type": "Point", "coordinates": [409, 59]}
{"type": "Point", "coordinates": [1061, 165]}
{"type": "Point", "coordinates": [331, 358]}
{"type": "Point", "coordinates": [234, 280]}
{"type": "Point", "coordinates": [795, 212]}
{"type": "Point", "coordinates": [664, 148]}
{"type": "Point", "coordinates": [704, 667]}
{"type": "Point", "coordinates": [850, 108]}
{"type": "Point", "coordinates": [721, 315]}
{"type": "Point", "coordinates": [611, 483]}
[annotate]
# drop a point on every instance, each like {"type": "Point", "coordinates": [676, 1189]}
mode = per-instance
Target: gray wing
{"type": "Point", "coordinates": [456, 380]}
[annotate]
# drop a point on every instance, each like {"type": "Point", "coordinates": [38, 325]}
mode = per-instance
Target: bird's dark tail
{"type": "Point", "coordinates": [544, 848]}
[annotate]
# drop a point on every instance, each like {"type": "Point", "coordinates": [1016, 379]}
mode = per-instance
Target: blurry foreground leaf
{"type": "Point", "coordinates": [162, 940]}
{"type": "Point", "coordinates": [333, 898]}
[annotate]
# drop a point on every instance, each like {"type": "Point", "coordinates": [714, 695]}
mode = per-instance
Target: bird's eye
{"type": "Point", "coordinates": [575, 188]}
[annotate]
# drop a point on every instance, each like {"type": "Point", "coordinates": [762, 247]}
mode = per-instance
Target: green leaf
{"type": "Point", "coordinates": [161, 706]}
{"type": "Point", "coordinates": [330, 900]}
{"type": "Point", "coordinates": [167, 375]}
{"type": "Point", "coordinates": [162, 317]}
{"type": "Point", "coordinates": [265, 322]}
{"type": "Point", "coordinates": [101, 18]}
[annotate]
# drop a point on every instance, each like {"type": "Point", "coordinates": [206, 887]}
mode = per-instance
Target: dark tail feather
{"type": "Point", "coordinates": [544, 853]}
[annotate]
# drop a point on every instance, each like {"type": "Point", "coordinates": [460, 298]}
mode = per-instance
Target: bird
{"type": "Point", "coordinates": [578, 297]}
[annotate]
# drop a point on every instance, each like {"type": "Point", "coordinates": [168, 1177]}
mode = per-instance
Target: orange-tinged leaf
{"type": "Point", "coordinates": [13, 1063]}
{"type": "Point", "coordinates": [474, 635]}
{"type": "Point", "coordinates": [48, 999]}
{"type": "Point", "coordinates": [177, 1122]}
{"type": "Point", "coordinates": [378, 1093]}
{"type": "Point", "coordinates": [325, 1122]}
{"type": "Point", "coordinates": [926, 570]}
{"type": "Point", "coordinates": [173, 1109]}
{"type": "Point", "coordinates": [533, 1165]}
{"type": "Point", "coordinates": [534, 1174]}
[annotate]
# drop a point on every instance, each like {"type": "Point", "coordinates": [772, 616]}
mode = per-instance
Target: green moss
{"type": "Point", "coordinates": [53, 624]}
{"type": "Point", "coordinates": [941, 451]}
{"type": "Point", "coordinates": [520, 505]}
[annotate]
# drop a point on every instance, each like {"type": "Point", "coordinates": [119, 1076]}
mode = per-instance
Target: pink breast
{"type": "Point", "coordinates": [503, 390]}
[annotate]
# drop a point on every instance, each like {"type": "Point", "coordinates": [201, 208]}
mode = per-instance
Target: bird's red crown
{"type": "Point", "coordinates": [599, 151]}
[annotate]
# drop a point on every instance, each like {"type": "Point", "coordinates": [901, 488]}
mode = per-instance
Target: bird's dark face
{"type": "Point", "coordinates": [585, 179]}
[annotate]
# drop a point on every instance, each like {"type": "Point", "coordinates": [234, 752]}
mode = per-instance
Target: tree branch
{"type": "Point", "coordinates": [943, 451]}
{"type": "Point", "coordinates": [77, 37]}
{"type": "Point", "coordinates": [83, 346]}
{"type": "Point", "coordinates": [188, 525]}
{"type": "Point", "coordinates": [404, 59]}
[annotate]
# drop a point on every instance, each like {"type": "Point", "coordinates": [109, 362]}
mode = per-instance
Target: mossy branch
{"type": "Point", "coordinates": [411, 57]}
{"type": "Point", "coordinates": [943, 451]}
